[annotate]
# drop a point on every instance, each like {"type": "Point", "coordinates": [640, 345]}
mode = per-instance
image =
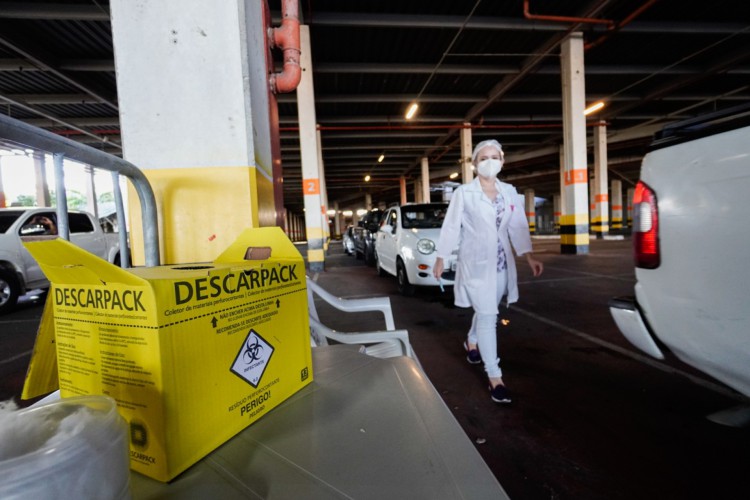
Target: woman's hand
{"type": "Point", "coordinates": [536, 265]}
{"type": "Point", "coordinates": [437, 269]}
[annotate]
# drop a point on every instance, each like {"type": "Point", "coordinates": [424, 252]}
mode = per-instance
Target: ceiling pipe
{"type": "Point", "coordinates": [637, 12]}
{"type": "Point", "coordinates": [563, 19]}
{"type": "Point", "coordinates": [287, 38]}
{"type": "Point", "coordinates": [341, 128]}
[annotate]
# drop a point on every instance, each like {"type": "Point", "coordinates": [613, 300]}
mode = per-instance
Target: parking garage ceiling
{"type": "Point", "coordinates": [494, 64]}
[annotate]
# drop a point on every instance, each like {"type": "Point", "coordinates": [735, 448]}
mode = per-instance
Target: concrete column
{"type": "Point", "coordinates": [91, 205]}
{"type": "Point", "coordinates": [425, 180]}
{"type": "Point", "coordinates": [600, 220]}
{"type": "Point", "coordinates": [562, 181]}
{"type": "Point", "coordinates": [616, 191]}
{"type": "Point", "coordinates": [195, 114]}
{"type": "Point", "coordinates": [467, 172]}
{"type": "Point", "coordinates": [402, 188]}
{"type": "Point", "coordinates": [556, 210]}
{"type": "Point", "coordinates": [574, 225]}
{"type": "Point", "coordinates": [631, 192]}
{"type": "Point", "coordinates": [530, 208]}
{"type": "Point", "coordinates": [417, 191]}
{"type": "Point", "coordinates": [355, 216]}
{"type": "Point", "coordinates": [592, 205]}
{"type": "Point", "coordinates": [40, 179]}
{"type": "Point", "coordinates": [323, 189]}
{"type": "Point", "coordinates": [368, 201]}
{"type": "Point", "coordinates": [313, 182]}
{"type": "Point", "coordinates": [337, 221]}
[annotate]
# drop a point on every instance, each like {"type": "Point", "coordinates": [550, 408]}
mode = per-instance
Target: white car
{"type": "Point", "coordinates": [19, 272]}
{"type": "Point", "coordinates": [347, 240]}
{"type": "Point", "coordinates": [690, 240]}
{"type": "Point", "coordinates": [405, 245]}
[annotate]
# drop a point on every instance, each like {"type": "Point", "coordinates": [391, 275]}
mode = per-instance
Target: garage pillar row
{"type": "Point", "coordinates": [629, 204]}
{"type": "Point", "coordinates": [530, 208]}
{"type": "Point", "coordinates": [600, 200]}
{"type": "Point", "coordinates": [574, 225]}
{"type": "Point", "coordinates": [40, 177]}
{"type": "Point", "coordinates": [425, 180]}
{"type": "Point", "coordinates": [467, 172]}
{"type": "Point", "coordinates": [313, 177]}
{"type": "Point", "coordinates": [197, 116]}
{"type": "Point", "coordinates": [322, 176]}
{"type": "Point", "coordinates": [616, 194]}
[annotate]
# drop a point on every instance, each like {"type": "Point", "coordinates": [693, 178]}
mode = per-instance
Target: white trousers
{"type": "Point", "coordinates": [483, 332]}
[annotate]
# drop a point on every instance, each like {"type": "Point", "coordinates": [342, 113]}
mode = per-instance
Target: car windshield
{"type": "Point", "coordinates": [423, 216]}
{"type": "Point", "coordinates": [8, 218]}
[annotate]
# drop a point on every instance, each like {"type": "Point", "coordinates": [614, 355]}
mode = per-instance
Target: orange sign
{"type": "Point", "coordinates": [310, 186]}
{"type": "Point", "coordinates": [576, 176]}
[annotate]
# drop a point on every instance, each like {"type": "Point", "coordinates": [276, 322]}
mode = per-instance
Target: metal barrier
{"type": "Point", "coordinates": [61, 147]}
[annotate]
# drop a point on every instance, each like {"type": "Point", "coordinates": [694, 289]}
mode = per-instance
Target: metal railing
{"type": "Point", "coordinates": [60, 148]}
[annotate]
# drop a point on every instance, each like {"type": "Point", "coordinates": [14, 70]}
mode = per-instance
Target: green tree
{"type": "Point", "coordinates": [24, 200]}
{"type": "Point", "coordinates": [107, 197]}
{"type": "Point", "coordinates": [76, 199]}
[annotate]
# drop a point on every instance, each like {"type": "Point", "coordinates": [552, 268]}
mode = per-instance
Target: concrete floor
{"type": "Point", "coordinates": [591, 417]}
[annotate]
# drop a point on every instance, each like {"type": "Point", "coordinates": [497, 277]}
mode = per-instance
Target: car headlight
{"type": "Point", "coordinates": [426, 246]}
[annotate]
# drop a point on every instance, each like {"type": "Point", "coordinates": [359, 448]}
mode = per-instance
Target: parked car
{"type": "Point", "coordinates": [19, 272]}
{"type": "Point", "coordinates": [690, 243]}
{"type": "Point", "coordinates": [347, 240]}
{"type": "Point", "coordinates": [364, 235]}
{"type": "Point", "coordinates": [405, 245]}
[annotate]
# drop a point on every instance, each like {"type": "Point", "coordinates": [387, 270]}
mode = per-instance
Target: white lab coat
{"type": "Point", "coordinates": [470, 224]}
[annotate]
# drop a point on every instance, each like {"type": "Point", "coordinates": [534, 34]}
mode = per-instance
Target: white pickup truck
{"type": "Point", "coordinates": [691, 239]}
{"type": "Point", "coordinates": [19, 272]}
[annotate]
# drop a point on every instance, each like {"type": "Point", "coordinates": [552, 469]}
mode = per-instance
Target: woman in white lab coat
{"type": "Point", "coordinates": [484, 218]}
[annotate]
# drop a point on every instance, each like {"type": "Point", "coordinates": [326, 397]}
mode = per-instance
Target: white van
{"type": "Point", "coordinates": [691, 236]}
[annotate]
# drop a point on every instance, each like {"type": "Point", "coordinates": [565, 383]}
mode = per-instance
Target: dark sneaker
{"type": "Point", "coordinates": [500, 394]}
{"type": "Point", "coordinates": [472, 355]}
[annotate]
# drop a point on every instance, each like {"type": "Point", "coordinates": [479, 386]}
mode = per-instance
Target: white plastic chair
{"type": "Point", "coordinates": [381, 343]}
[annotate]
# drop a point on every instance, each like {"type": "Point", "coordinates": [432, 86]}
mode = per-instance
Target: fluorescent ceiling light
{"type": "Point", "coordinates": [454, 175]}
{"type": "Point", "coordinates": [412, 111]}
{"type": "Point", "coordinates": [367, 178]}
{"type": "Point", "coordinates": [381, 158]}
{"type": "Point", "coordinates": [593, 108]}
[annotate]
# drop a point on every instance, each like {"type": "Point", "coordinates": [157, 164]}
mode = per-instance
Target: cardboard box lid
{"type": "Point", "coordinates": [259, 244]}
{"type": "Point", "coordinates": [65, 262]}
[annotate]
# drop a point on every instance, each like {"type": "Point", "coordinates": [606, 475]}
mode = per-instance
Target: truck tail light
{"type": "Point", "coordinates": [645, 227]}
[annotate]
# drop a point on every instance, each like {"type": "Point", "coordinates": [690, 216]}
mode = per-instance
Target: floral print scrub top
{"type": "Point", "coordinates": [499, 205]}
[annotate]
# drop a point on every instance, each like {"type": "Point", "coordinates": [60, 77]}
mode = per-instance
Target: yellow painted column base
{"type": "Point", "coordinates": [201, 210]}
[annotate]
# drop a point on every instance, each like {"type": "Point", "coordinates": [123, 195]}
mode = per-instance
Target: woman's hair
{"type": "Point", "coordinates": [482, 145]}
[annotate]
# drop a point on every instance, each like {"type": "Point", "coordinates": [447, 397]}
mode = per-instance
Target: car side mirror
{"type": "Point", "coordinates": [387, 229]}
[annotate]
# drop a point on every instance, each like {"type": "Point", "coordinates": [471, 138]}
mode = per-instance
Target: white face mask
{"type": "Point", "coordinates": [489, 168]}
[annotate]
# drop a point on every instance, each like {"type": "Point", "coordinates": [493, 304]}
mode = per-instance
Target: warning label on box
{"type": "Point", "coordinates": [253, 358]}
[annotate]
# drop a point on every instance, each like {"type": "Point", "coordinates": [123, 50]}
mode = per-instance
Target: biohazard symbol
{"type": "Point", "coordinates": [253, 351]}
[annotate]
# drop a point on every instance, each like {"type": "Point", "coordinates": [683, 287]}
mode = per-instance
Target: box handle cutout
{"type": "Point", "coordinates": [258, 253]}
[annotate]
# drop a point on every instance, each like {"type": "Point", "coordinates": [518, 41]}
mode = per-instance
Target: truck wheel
{"type": "Point", "coordinates": [9, 290]}
{"type": "Point", "coordinates": [404, 287]}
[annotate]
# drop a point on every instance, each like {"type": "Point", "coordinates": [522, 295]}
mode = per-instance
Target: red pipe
{"type": "Point", "coordinates": [287, 38]}
{"type": "Point", "coordinates": [637, 12]}
{"type": "Point", "coordinates": [563, 19]}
